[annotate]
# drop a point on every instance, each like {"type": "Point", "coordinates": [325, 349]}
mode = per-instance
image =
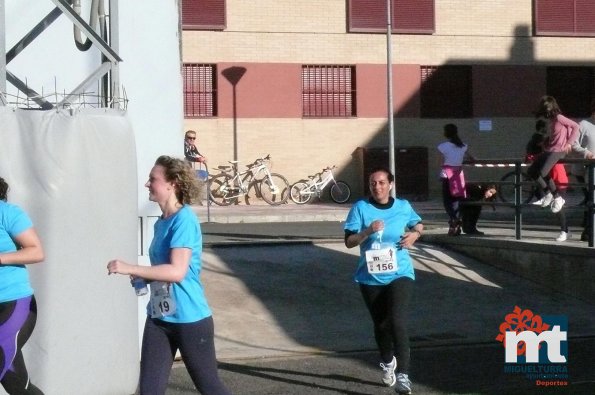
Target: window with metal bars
{"type": "Point", "coordinates": [328, 91]}
{"type": "Point", "coordinates": [203, 14]}
{"type": "Point", "coordinates": [200, 90]}
{"type": "Point", "coordinates": [573, 88]}
{"type": "Point", "coordinates": [564, 17]}
{"type": "Point", "coordinates": [446, 92]}
{"type": "Point", "coordinates": [408, 16]}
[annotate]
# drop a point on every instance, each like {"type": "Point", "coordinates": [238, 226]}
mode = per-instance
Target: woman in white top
{"type": "Point", "coordinates": [454, 152]}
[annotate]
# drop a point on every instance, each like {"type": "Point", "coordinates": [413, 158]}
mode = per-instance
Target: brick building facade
{"type": "Point", "coordinates": [305, 81]}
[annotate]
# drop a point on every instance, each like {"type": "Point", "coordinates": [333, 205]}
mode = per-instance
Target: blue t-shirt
{"type": "Point", "coordinates": [398, 217]}
{"type": "Point", "coordinates": [182, 230]}
{"type": "Point", "coordinates": [14, 279]}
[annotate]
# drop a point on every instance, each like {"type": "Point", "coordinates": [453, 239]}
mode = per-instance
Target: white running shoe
{"type": "Point", "coordinates": [547, 199]}
{"type": "Point", "coordinates": [388, 374]}
{"type": "Point", "coordinates": [403, 384]}
{"type": "Point", "coordinates": [557, 204]}
{"type": "Point", "coordinates": [538, 202]}
{"type": "Point", "coordinates": [563, 236]}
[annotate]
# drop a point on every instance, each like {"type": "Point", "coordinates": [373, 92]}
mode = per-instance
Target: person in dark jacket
{"type": "Point", "coordinates": [470, 212]}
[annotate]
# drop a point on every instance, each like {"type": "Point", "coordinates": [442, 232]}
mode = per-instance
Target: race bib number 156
{"type": "Point", "coordinates": [381, 261]}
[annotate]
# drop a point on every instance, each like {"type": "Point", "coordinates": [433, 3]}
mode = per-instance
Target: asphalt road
{"type": "Point", "coordinates": [460, 369]}
{"type": "Point", "coordinates": [289, 320]}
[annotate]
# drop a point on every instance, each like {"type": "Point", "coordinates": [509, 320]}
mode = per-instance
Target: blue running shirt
{"type": "Point", "coordinates": [182, 230]}
{"type": "Point", "coordinates": [398, 218]}
{"type": "Point", "coordinates": [14, 279]}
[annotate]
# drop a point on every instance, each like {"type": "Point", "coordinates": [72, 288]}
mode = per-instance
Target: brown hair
{"type": "Point", "coordinates": [181, 173]}
{"type": "Point", "coordinates": [547, 108]}
{"type": "Point", "coordinates": [3, 189]}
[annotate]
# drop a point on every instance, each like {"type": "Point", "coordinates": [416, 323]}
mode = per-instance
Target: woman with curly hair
{"type": "Point", "coordinates": [178, 315]}
{"type": "Point", "coordinates": [19, 246]}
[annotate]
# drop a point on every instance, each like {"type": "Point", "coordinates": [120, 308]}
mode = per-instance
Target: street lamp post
{"type": "Point", "coordinates": [389, 85]}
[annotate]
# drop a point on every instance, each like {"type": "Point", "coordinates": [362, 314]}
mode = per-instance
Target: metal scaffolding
{"type": "Point", "coordinates": [106, 73]}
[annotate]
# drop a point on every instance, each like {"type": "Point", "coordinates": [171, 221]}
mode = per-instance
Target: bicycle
{"type": "Point", "coordinates": [302, 191]}
{"type": "Point", "coordinates": [226, 187]}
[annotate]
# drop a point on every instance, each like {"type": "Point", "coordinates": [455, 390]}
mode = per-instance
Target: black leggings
{"type": "Point", "coordinates": [195, 340]}
{"type": "Point", "coordinates": [17, 321]}
{"type": "Point", "coordinates": [388, 305]}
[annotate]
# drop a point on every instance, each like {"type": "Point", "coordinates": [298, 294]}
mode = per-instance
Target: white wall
{"type": "Point", "coordinates": [150, 71]}
{"type": "Point", "coordinates": [75, 174]}
{"type": "Point", "coordinates": [150, 75]}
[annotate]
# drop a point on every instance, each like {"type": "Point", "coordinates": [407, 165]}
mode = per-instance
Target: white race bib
{"type": "Point", "coordinates": [162, 301]}
{"type": "Point", "coordinates": [382, 260]}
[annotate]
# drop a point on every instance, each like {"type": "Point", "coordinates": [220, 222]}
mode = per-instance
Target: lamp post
{"type": "Point", "coordinates": [389, 85]}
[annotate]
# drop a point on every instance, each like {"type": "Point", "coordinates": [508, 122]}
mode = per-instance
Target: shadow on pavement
{"type": "Point", "coordinates": [277, 306]}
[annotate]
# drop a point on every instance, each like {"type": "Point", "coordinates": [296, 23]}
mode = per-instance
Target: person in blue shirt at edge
{"type": "Point", "coordinates": [19, 246]}
{"type": "Point", "coordinates": [384, 228]}
{"type": "Point", "coordinates": [178, 315]}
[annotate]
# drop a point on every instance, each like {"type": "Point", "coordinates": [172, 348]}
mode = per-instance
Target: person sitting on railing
{"type": "Point", "coordinates": [563, 132]}
{"type": "Point", "coordinates": [470, 212]}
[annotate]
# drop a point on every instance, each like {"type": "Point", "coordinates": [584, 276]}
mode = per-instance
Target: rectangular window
{"type": "Point", "coordinates": [328, 91]}
{"type": "Point", "coordinates": [200, 90]}
{"type": "Point", "coordinates": [564, 17]}
{"type": "Point", "coordinates": [573, 88]}
{"type": "Point", "coordinates": [408, 16]}
{"type": "Point", "coordinates": [203, 14]}
{"type": "Point", "coordinates": [446, 92]}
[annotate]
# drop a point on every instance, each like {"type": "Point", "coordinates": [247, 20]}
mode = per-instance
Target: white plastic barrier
{"type": "Point", "coordinates": [75, 174]}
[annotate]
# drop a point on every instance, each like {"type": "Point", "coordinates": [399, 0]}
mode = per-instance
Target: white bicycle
{"type": "Point", "coordinates": [230, 184]}
{"type": "Point", "coordinates": [304, 190]}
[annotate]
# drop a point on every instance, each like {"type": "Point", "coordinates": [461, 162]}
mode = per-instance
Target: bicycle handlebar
{"type": "Point", "coordinates": [260, 160]}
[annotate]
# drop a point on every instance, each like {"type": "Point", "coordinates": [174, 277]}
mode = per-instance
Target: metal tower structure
{"type": "Point", "coordinates": [106, 72]}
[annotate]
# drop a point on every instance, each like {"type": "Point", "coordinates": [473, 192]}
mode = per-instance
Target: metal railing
{"type": "Point", "coordinates": [518, 183]}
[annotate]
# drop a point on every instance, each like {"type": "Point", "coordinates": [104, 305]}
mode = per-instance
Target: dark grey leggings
{"type": "Point", "coordinates": [388, 305]}
{"type": "Point", "coordinates": [541, 168]}
{"type": "Point", "coordinates": [161, 340]}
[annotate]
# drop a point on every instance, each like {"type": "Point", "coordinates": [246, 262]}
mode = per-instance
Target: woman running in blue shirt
{"type": "Point", "coordinates": [178, 316]}
{"type": "Point", "coordinates": [19, 246]}
{"type": "Point", "coordinates": [384, 228]}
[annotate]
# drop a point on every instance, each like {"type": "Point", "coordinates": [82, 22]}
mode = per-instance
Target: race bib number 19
{"type": "Point", "coordinates": [162, 301]}
{"type": "Point", "coordinates": [383, 260]}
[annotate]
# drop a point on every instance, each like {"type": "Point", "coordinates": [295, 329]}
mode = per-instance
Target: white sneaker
{"type": "Point", "coordinates": [403, 384]}
{"type": "Point", "coordinates": [557, 204]}
{"type": "Point", "coordinates": [538, 202]}
{"type": "Point", "coordinates": [563, 236]}
{"type": "Point", "coordinates": [547, 199]}
{"type": "Point", "coordinates": [388, 374]}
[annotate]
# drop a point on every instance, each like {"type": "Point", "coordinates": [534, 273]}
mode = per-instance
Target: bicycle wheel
{"type": "Point", "coordinates": [274, 190]}
{"type": "Point", "coordinates": [506, 191]}
{"type": "Point", "coordinates": [340, 192]}
{"type": "Point", "coordinates": [300, 192]}
{"type": "Point", "coordinates": [220, 190]}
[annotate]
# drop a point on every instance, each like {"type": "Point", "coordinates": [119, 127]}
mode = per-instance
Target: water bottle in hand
{"type": "Point", "coordinates": [140, 286]}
